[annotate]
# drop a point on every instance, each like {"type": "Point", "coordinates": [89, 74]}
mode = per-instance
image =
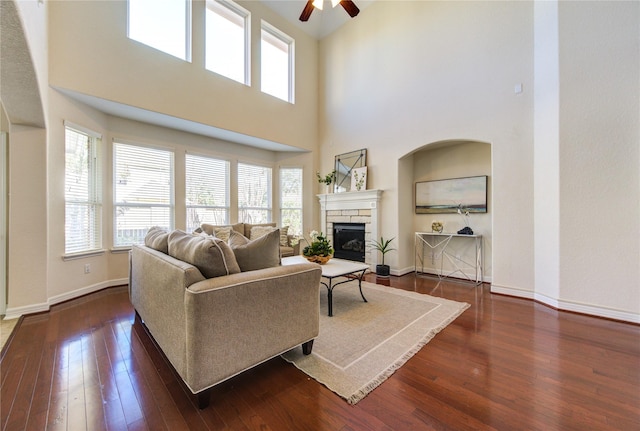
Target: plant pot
{"type": "Point", "coordinates": [382, 270]}
{"type": "Point", "coordinates": [318, 259]}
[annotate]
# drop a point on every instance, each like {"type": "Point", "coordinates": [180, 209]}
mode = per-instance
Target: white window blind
{"type": "Point", "coordinates": [207, 191]}
{"type": "Point", "coordinates": [254, 193]}
{"type": "Point", "coordinates": [227, 40]}
{"type": "Point", "coordinates": [291, 199]}
{"type": "Point", "coordinates": [143, 192]}
{"type": "Point", "coordinates": [164, 25]}
{"type": "Point", "coordinates": [276, 56]}
{"type": "Point", "coordinates": [83, 186]}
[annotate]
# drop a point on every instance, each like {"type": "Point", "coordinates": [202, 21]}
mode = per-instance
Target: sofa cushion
{"type": "Point", "coordinates": [212, 256]}
{"type": "Point", "coordinates": [157, 238]}
{"type": "Point", "coordinates": [263, 252]}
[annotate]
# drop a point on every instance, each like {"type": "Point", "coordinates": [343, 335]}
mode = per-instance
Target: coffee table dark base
{"type": "Point", "coordinates": [330, 286]}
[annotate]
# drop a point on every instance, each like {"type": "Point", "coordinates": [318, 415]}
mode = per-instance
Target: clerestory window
{"type": "Point", "coordinates": [227, 40]}
{"type": "Point", "coordinates": [277, 60]}
{"type": "Point", "coordinates": [164, 25]}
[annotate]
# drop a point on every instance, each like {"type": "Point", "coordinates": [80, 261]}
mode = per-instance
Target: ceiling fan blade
{"type": "Point", "coordinates": [350, 7]}
{"type": "Point", "coordinates": [306, 12]}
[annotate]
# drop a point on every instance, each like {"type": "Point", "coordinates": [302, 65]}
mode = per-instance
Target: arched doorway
{"type": "Point", "coordinates": [445, 160]}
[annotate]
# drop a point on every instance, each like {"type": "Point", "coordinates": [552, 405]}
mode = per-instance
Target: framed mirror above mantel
{"type": "Point", "coordinates": [345, 165]}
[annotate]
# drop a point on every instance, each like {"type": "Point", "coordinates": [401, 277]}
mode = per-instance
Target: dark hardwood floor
{"type": "Point", "coordinates": [504, 364]}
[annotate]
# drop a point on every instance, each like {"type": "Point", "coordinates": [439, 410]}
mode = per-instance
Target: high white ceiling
{"type": "Point", "coordinates": [322, 22]}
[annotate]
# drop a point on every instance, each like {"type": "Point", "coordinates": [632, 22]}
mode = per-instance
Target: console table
{"type": "Point", "coordinates": [440, 249]}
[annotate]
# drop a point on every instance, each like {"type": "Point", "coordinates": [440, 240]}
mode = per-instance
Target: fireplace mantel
{"type": "Point", "coordinates": [361, 207]}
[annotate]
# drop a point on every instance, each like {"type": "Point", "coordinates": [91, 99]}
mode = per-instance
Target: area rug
{"type": "Point", "coordinates": [366, 342]}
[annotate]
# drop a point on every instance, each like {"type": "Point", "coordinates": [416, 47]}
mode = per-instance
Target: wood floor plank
{"type": "Point", "coordinates": [504, 364]}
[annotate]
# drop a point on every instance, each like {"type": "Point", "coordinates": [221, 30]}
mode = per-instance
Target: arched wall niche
{"type": "Point", "coordinates": [453, 158]}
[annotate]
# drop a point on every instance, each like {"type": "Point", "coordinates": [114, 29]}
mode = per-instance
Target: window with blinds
{"type": "Point", "coordinates": [143, 192]}
{"type": "Point", "coordinates": [207, 191]}
{"type": "Point", "coordinates": [82, 192]}
{"type": "Point", "coordinates": [291, 199]}
{"type": "Point", "coordinates": [254, 194]}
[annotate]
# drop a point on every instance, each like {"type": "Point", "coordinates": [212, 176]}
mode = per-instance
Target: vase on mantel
{"type": "Point", "coordinates": [328, 188]}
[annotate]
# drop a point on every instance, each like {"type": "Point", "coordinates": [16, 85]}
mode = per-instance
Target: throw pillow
{"type": "Point", "coordinates": [263, 252]}
{"type": "Point", "coordinates": [222, 232]}
{"type": "Point", "coordinates": [236, 239]}
{"type": "Point", "coordinates": [258, 231]}
{"type": "Point", "coordinates": [212, 256]}
{"type": "Point", "coordinates": [284, 236]}
{"type": "Point", "coordinates": [249, 226]}
{"type": "Point", "coordinates": [157, 238]}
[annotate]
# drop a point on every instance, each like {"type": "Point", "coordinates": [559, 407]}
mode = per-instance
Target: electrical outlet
{"type": "Point", "coordinates": [87, 268]}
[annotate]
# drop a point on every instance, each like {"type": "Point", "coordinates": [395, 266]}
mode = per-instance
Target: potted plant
{"type": "Point", "coordinates": [327, 179]}
{"type": "Point", "coordinates": [384, 247]}
{"type": "Point", "coordinates": [319, 249]}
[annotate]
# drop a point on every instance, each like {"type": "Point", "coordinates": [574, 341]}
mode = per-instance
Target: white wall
{"type": "Point", "coordinates": [91, 54]}
{"type": "Point", "coordinates": [546, 152]}
{"type": "Point", "coordinates": [400, 77]}
{"type": "Point", "coordinates": [599, 151]}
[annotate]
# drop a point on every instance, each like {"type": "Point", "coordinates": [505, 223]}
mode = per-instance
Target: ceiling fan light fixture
{"type": "Point", "coordinates": [318, 4]}
{"type": "Point", "coordinates": [335, 3]}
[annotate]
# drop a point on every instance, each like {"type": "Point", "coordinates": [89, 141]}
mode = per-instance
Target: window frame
{"type": "Point", "coordinates": [230, 7]}
{"type": "Point", "coordinates": [280, 37]}
{"type": "Point", "coordinates": [94, 199]}
{"type": "Point", "coordinates": [116, 204]}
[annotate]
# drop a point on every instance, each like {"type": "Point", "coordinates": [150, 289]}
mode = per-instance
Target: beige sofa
{"type": "Point", "coordinates": [289, 245]}
{"type": "Point", "coordinates": [213, 329]}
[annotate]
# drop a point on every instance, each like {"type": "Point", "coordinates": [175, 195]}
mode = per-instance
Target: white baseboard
{"type": "Point", "coordinates": [16, 312]}
{"type": "Point", "coordinates": [576, 307]}
{"type": "Point", "coordinates": [512, 291]}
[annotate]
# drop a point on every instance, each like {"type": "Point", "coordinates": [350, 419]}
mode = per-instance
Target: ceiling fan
{"type": "Point", "coordinates": [348, 5]}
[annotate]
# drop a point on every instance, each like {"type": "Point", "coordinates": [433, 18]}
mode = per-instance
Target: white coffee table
{"type": "Point", "coordinates": [333, 269]}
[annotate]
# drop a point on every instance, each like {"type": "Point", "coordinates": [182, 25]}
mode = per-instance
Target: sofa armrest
{"type": "Point", "coordinates": [240, 320]}
{"type": "Point", "coordinates": [157, 285]}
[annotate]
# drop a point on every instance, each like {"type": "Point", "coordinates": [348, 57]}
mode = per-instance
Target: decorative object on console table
{"type": "Point", "coordinates": [464, 213]}
{"type": "Point", "coordinates": [384, 247]}
{"type": "Point", "coordinates": [437, 226]}
{"type": "Point", "coordinates": [359, 179]}
{"type": "Point", "coordinates": [319, 249]}
{"type": "Point", "coordinates": [327, 180]}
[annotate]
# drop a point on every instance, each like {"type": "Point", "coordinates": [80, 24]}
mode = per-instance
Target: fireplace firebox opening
{"type": "Point", "coordinates": [349, 241]}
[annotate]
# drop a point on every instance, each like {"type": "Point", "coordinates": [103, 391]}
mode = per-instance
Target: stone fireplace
{"type": "Point", "coordinates": [352, 207]}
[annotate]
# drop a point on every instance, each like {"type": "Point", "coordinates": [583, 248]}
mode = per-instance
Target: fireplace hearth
{"type": "Point", "coordinates": [349, 241]}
